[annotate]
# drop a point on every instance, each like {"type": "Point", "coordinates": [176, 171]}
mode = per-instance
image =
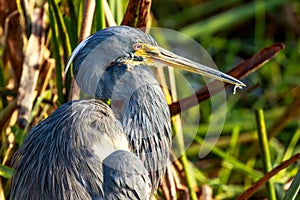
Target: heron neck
{"type": "Point", "coordinates": [141, 107]}
{"type": "Point", "coordinates": [132, 89]}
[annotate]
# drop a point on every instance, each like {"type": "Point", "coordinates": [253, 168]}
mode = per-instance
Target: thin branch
{"type": "Point", "coordinates": [239, 71]}
{"type": "Point", "coordinates": [131, 13]}
{"type": "Point", "coordinates": [144, 14]}
{"type": "Point", "coordinates": [137, 13]}
{"type": "Point", "coordinates": [250, 191]}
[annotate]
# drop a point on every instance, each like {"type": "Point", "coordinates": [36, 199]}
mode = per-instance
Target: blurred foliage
{"type": "Point", "coordinates": [230, 31]}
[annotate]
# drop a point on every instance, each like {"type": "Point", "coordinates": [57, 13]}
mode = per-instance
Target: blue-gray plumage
{"type": "Point", "coordinates": [125, 177]}
{"type": "Point", "coordinates": [136, 97]}
{"type": "Point", "coordinates": [61, 158]}
{"type": "Point", "coordinates": [114, 64]}
{"type": "Point", "coordinates": [75, 153]}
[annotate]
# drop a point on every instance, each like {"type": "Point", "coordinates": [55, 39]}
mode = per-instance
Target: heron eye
{"type": "Point", "coordinates": [137, 46]}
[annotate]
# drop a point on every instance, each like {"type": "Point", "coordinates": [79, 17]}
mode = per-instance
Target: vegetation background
{"type": "Point", "coordinates": [261, 130]}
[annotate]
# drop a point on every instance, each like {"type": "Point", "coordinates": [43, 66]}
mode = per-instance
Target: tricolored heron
{"type": "Point", "coordinates": [66, 156]}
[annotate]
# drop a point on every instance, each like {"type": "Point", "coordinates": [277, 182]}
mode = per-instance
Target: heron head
{"type": "Point", "coordinates": [132, 47]}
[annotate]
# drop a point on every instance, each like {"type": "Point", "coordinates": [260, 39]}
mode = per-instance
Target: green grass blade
{"type": "Point", "coordinates": [119, 12]}
{"type": "Point", "coordinates": [264, 146]}
{"type": "Point", "coordinates": [195, 12]}
{"type": "Point", "coordinates": [5, 171]}
{"type": "Point", "coordinates": [62, 29]}
{"type": "Point", "coordinates": [292, 145]}
{"type": "Point", "coordinates": [21, 133]}
{"type": "Point", "coordinates": [58, 64]}
{"type": "Point", "coordinates": [259, 22]}
{"type": "Point", "coordinates": [112, 6]}
{"type": "Point", "coordinates": [294, 189]}
{"type": "Point", "coordinates": [232, 151]}
{"type": "Point", "coordinates": [236, 164]}
{"type": "Point", "coordinates": [179, 140]}
{"type": "Point", "coordinates": [72, 27]}
{"type": "Point", "coordinates": [64, 37]}
{"type": "Point", "coordinates": [228, 19]}
{"type": "Point", "coordinates": [100, 15]}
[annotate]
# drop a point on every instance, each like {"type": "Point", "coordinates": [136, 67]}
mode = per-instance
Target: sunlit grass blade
{"type": "Point", "coordinates": [62, 29]}
{"type": "Point", "coordinates": [56, 53]}
{"type": "Point", "coordinates": [227, 19]}
{"type": "Point", "coordinates": [100, 15]}
{"type": "Point", "coordinates": [73, 26]}
{"type": "Point", "coordinates": [119, 12]}
{"type": "Point", "coordinates": [292, 145]}
{"type": "Point", "coordinates": [265, 151]}
{"type": "Point", "coordinates": [226, 170]}
{"type": "Point", "coordinates": [236, 164]}
{"type": "Point", "coordinates": [21, 133]}
{"type": "Point", "coordinates": [65, 41]}
{"type": "Point", "coordinates": [179, 140]}
{"type": "Point", "coordinates": [293, 191]}
{"type": "Point", "coordinates": [5, 171]}
{"type": "Point", "coordinates": [259, 21]}
{"type": "Point", "coordinates": [195, 12]}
